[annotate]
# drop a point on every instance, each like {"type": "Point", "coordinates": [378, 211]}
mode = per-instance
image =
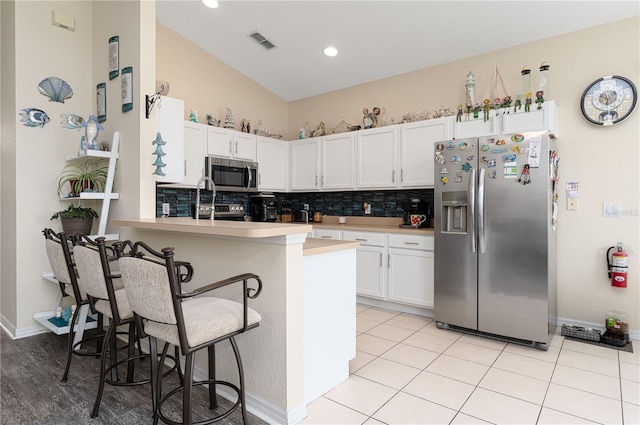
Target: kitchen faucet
{"type": "Point", "coordinates": [213, 200]}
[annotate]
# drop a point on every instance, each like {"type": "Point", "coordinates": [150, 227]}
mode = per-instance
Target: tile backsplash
{"type": "Point", "coordinates": [384, 203]}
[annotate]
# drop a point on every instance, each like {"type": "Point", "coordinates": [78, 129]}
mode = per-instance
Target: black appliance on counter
{"type": "Point", "coordinates": [416, 206]}
{"type": "Point", "coordinates": [264, 207]}
{"type": "Point", "coordinates": [231, 212]}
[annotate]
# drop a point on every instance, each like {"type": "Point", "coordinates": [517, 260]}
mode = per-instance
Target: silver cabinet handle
{"type": "Point", "coordinates": [393, 176]}
{"type": "Point", "coordinates": [185, 168]}
{"type": "Point", "coordinates": [472, 208]}
{"type": "Point", "coordinates": [230, 149]}
{"type": "Point", "coordinates": [388, 260]}
{"type": "Point", "coordinates": [236, 147]}
{"type": "Point", "coordinates": [380, 260]}
{"type": "Point", "coordinates": [401, 175]}
{"type": "Point", "coordinates": [259, 178]}
{"type": "Point", "coordinates": [326, 237]}
{"type": "Point", "coordinates": [322, 180]}
{"type": "Point", "coordinates": [411, 243]}
{"type": "Point", "coordinates": [316, 180]}
{"type": "Point", "coordinates": [361, 239]}
{"type": "Point", "coordinates": [481, 238]}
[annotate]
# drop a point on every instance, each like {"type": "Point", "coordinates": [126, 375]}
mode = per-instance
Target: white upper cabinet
{"type": "Point", "coordinates": [545, 118]}
{"type": "Point", "coordinates": [338, 162]}
{"type": "Point", "coordinates": [416, 150]}
{"type": "Point", "coordinates": [231, 144]}
{"type": "Point", "coordinates": [273, 164]}
{"type": "Point", "coordinates": [376, 158]}
{"type": "Point", "coordinates": [170, 117]}
{"type": "Point", "coordinates": [305, 164]}
{"type": "Point", "coordinates": [505, 121]}
{"type": "Point", "coordinates": [195, 149]}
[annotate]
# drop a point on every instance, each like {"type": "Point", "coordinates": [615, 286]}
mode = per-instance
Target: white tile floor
{"type": "Point", "coordinates": [407, 371]}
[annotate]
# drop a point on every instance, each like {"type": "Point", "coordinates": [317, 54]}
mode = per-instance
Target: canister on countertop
{"type": "Point", "coordinates": [317, 217]}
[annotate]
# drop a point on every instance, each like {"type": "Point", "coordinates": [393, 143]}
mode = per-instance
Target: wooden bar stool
{"type": "Point", "coordinates": [186, 320]}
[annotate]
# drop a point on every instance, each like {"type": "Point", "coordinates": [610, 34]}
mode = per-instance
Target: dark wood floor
{"type": "Point", "coordinates": [31, 391]}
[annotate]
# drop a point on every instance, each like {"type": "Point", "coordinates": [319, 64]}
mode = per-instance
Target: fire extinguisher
{"type": "Point", "coordinates": [618, 266]}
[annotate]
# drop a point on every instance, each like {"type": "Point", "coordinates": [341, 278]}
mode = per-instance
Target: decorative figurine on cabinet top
{"type": "Point", "coordinates": [193, 116]}
{"type": "Point", "coordinates": [539, 98]}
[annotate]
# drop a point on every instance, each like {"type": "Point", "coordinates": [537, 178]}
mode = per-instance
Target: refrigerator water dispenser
{"type": "Point", "coordinates": [454, 212]}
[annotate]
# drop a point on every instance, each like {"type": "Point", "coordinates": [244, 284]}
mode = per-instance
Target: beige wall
{"type": "Point", "coordinates": [32, 157]}
{"type": "Point", "coordinates": [209, 86]}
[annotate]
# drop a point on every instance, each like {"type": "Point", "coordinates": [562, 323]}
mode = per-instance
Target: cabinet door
{"type": "Point", "coordinates": [273, 164]}
{"type": "Point", "coordinates": [416, 150]}
{"type": "Point", "coordinates": [170, 120]}
{"type": "Point", "coordinates": [338, 162]}
{"type": "Point", "coordinates": [370, 272]}
{"type": "Point", "coordinates": [376, 158]}
{"type": "Point", "coordinates": [244, 146]}
{"type": "Point", "coordinates": [411, 277]}
{"type": "Point", "coordinates": [304, 165]}
{"type": "Point", "coordinates": [195, 149]}
{"type": "Point", "coordinates": [219, 142]}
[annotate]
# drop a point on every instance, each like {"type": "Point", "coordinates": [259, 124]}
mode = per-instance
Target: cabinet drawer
{"type": "Point", "coordinates": [411, 242]}
{"type": "Point", "coordinates": [327, 234]}
{"type": "Point", "coordinates": [365, 238]}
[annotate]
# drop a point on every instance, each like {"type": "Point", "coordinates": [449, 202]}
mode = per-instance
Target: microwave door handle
{"type": "Point", "coordinates": [249, 179]}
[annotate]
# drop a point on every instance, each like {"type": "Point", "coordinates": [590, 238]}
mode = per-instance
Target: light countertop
{"type": "Point", "coordinates": [240, 229]}
{"type": "Point", "coordinates": [314, 246]}
{"type": "Point", "coordinates": [370, 224]}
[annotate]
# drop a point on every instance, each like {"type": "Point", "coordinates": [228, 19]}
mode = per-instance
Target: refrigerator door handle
{"type": "Point", "coordinates": [481, 238]}
{"type": "Point", "coordinates": [472, 208]}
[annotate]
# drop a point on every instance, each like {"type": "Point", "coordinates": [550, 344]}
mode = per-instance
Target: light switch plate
{"type": "Point", "coordinates": [611, 209]}
{"type": "Point", "coordinates": [166, 208]}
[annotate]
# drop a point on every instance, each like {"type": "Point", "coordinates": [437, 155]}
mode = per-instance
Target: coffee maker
{"type": "Point", "coordinates": [416, 206]}
{"type": "Point", "coordinates": [264, 207]}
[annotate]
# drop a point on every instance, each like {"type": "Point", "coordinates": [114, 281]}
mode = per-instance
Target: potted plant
{"type": "Point", "coordinates": [76, 219]}
{"type": "Point", "coordinates": [82, 175]}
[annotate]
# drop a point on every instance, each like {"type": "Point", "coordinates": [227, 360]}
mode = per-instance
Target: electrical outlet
{"type": "Point", "coordinates": [572, 204]}
{"type": "Point", "coordinates": [166, 208]}
{"type": "Point", "coordinates": [367, 208]}
{"type": "Point", "coordinates": [305, 207]}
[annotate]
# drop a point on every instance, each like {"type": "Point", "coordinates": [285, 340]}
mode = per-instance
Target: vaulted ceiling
{"type": "Point", "coordinates": [375, 39]}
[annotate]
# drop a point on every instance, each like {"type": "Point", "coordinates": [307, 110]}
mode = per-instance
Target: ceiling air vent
{"type": "Point", "coordinates": [261, 40]}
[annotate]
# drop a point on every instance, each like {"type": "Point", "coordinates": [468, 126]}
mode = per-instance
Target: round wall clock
{"type": "Point", "coordinates": [608, 100]}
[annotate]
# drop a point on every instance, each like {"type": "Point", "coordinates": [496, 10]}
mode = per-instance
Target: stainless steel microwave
{"type": "Point", "coordinates": [231, 175]}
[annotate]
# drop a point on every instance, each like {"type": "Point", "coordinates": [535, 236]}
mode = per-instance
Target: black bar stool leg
{"type": "Point", "coordinates": [72, 327]}
{"type": "Point", "coordinates": [241, 381]}
{"type": "Point", "coordinates": [186, 391]}
{"type": "Point", "coordinates": [103, 360]}
{"type": "Point", "coordinates": [155, 378]}
{"type": "Point", "coordinates": [131, 351]}
{"type": "Point", "coordinates": [213, 399]}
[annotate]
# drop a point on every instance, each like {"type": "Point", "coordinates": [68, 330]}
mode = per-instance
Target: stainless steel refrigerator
{"type": "Point", "coordinates": [495, 239]}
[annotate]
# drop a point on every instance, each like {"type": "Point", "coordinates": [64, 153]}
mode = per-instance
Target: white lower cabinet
{"type": "Point", "coordinates": [394, 267]}
{"type": "Point", "coordinates": [411, 269]}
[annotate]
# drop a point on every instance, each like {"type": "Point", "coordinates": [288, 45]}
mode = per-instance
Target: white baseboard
{"type": "Point", "coordinates": [17, 333]}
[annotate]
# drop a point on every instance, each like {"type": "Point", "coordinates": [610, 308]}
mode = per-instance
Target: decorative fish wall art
{"type": "Point", "coordinates": [71, 120]}
{"type": "Point", "coordinates": [32, 117]}
{"type": "Point", "coordinates": [56, 89]}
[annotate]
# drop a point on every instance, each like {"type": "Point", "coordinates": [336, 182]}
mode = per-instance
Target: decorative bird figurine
{"type": "Point", "coordinates": [91, 130]}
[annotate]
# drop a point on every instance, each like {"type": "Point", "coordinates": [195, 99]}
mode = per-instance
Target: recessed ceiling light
{"type": "Point", "coordinates": [331, 51]}
{"type": "Point", "coordinates": [213, 4]}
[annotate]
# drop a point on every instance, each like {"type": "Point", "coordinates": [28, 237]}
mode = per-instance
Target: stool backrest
{"type": "Point", "coordinates": [60, 254]}
{"type": "Point", "coordinates": [148, 289]}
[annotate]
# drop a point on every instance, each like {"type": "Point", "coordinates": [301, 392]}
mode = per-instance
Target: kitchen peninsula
{"type": "Point", "coordinates": [306, 337]}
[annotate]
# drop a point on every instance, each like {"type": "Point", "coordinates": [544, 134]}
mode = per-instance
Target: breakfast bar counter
{"type": "Point", "coordinates": [298, 352]}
